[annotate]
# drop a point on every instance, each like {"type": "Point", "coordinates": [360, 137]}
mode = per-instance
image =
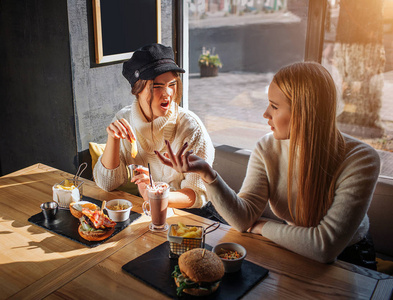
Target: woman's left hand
{"type": "Point", "coordinates": [186, 162]}
{"type": "Point", "coordinates": [257, 227]}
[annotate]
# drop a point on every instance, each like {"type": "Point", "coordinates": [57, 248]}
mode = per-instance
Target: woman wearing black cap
{"type": "Point", "coordinates": [153, 118]}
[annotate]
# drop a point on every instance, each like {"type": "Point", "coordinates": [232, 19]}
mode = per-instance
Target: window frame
{"type": "Point", "coordinates": [180, 44]}
{"type": "Point", "coordinates": [315, 30]}
{"type": "Point", "coordinates": [313, 44]}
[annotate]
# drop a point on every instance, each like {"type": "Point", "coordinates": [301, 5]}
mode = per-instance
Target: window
{"type": "Point", "coordinates": [353, 39]}
{"type": "Point", "coordinates": [358, 52]}
{"type": "Point", "coordinates": [253, 39]}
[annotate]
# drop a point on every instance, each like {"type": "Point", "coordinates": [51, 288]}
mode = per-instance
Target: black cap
{"type": "Point", "coordinates": [149, 62]}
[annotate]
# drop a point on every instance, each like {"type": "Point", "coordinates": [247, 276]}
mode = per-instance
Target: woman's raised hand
{"type": "Point", "coordinates": [186, 162]}
{"type": "Point", "coordinates": [142, 179]}
{"type": "Point", "coordinates": [120, 129]}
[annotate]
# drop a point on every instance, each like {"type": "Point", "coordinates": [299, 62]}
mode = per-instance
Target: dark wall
{"type": "Point", "coordinates": [35, 85]}
{"type": "Point", "coordinates": [55, 99]}
{"type": "Point", "coordinates": [99, 91]}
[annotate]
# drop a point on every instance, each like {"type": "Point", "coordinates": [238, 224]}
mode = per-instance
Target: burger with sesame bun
{"type": "Point", "coordinates": [198, 273]}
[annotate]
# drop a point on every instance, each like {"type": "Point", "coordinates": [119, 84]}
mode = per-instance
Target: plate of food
{"type": "Point", "coordinates": [84, 222]}
{"type": "Point", "coordinates": [175, 277]}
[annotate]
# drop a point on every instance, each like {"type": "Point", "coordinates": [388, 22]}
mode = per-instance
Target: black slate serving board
{"type": "Point", "coordinates": [66, 224]}
{"type": "Point", "coordinates": [155, 268]}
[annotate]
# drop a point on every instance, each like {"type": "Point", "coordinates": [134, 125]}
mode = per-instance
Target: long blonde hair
{"type": "Point", "coordinates": [316, 145]}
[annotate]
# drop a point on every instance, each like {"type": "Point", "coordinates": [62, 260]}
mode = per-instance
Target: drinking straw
{"type": "Point", "coordinates": [151, 181]}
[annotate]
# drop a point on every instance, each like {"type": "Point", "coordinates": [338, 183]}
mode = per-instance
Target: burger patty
{"type": "Point", "coordinates": [186, 283]}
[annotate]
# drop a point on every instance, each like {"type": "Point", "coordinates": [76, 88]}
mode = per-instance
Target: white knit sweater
{"type": "Point", "coordinates": [346, 221]}
{"type": "Point", "coordinates": [178, 127]}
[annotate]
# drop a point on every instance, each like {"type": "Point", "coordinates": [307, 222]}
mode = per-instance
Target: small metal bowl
{"type": "Point", "coordinates": [49, 209]}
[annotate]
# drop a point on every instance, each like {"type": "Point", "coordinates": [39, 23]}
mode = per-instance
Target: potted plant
{"type": "Point", "coordinates": [209, 63]}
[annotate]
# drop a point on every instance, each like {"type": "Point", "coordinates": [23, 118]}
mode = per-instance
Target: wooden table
{"type": "Point", "coordinates": [36, 264]}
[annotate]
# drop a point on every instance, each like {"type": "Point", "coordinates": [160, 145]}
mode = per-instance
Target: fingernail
{"type": "Point", "coordinates": [155, 151]}
{"type": "Point", "coordinates": [166, 142]}
{"type": "Point", "coordinates": [186, 144]}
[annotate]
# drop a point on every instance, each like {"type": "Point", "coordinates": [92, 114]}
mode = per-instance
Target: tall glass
{"type": "Point", "coordinates": [157, 205]}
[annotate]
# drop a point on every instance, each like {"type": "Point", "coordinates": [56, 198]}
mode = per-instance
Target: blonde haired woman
{"type": "Point", "coordinates": [317, 180]}
{"type": "Point", "coordinates": [153, 117]}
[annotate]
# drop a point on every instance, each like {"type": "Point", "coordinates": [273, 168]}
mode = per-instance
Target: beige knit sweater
{"type": "Point", "coordinates": [178, 127]}
{"type": "Point", "coordinates": [346, 222]}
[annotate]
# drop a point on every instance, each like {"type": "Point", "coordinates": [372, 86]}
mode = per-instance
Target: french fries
{"type": "Point", "coordinates": [134, 148]}
{"type": "Point", "coordinates": [186, 232]}
{"type": "Point", "coordinates": [67, 185]}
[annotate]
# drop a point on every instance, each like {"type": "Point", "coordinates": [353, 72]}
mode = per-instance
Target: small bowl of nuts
{"type": "Point", "coordinates": [118, 209]}
{"type": "Point", "coordinates": [232, 256]}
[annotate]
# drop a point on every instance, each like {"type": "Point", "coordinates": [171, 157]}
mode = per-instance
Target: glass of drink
{"type": "Point", "coordinates": [132, 169]}
{"type": "Point", "coordinates": [156, 206]}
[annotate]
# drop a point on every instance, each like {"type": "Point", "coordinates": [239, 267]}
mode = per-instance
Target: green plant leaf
{"type": "Point", "coordinates": [207, 59]}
